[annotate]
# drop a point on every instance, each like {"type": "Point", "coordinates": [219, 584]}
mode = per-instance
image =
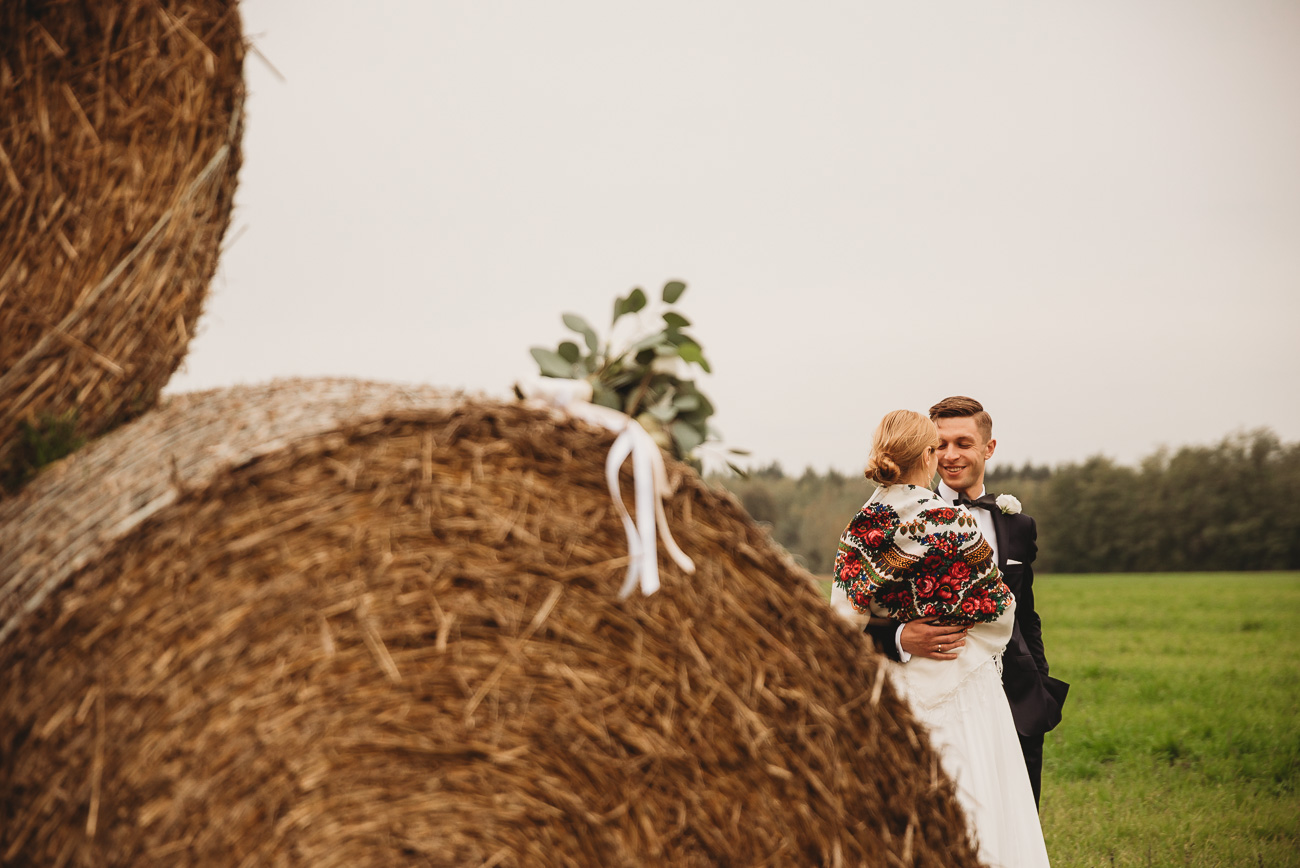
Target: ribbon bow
{"type": "Point", "coordinates": [649, 479]}
{"type": "Point", "coordinates": [985, 501]}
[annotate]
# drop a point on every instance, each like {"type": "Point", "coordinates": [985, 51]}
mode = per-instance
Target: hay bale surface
{"type": "Point", "coordinates": [119, 145]}
{"type": "Point", "coordinates": [345, 624]}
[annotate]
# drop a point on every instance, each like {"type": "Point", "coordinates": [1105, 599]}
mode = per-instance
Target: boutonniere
{"type": "Point", "coordinates": [1008, 504]}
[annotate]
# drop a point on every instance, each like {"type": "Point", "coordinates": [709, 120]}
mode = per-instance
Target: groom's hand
{"type": "Point", "coordinates": [924, 638]}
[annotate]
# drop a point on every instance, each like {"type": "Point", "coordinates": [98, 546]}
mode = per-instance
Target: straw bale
{"type": "Point", "coordinates": [342, 623]}
{"type": "Point", "coordinates": [120, 123]}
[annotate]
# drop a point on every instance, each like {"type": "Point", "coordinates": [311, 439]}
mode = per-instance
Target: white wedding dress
{"type": "Point", "coordinates": [962, 704]}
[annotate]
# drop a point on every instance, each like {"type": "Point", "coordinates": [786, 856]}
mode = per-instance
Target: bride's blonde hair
{"type": "Point", "coordinates": [899, 445]}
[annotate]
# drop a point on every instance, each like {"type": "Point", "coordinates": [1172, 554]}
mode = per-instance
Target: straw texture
{"type": "Point", "coordinates": [119, 147]}
{"type": "Point", "coordinates": [339, 623]}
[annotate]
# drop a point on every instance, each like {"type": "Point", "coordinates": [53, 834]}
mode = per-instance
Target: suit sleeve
{"type": "Point", "coordinates": [882, 634]}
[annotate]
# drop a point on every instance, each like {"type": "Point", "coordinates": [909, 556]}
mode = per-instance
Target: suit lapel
{"type": "Point", "coordinates": [1000, 530]}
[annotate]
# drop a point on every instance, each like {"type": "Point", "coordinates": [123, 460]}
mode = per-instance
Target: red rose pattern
{"type": "Point", "coordinates": [847, 567]}
{"type": "Point", "coordinates": [942, 583]}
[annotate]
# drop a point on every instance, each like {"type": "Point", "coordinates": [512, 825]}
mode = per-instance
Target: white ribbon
{"type": "Point", "coordinates": [649, 479]}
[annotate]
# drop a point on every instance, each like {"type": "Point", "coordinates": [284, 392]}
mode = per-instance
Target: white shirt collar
{"type": "Point", "coordinates": [951, 496]}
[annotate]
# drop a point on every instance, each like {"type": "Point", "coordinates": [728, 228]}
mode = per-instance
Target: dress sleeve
{"type": "Point", "coordinates": [846, 609]}
{"type": "Point", "coordinates": [850, 567]}
{"type": "Point", "coordinates": [853, 572]}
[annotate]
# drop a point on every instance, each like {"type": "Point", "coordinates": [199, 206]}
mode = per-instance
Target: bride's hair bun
{"type": "Point", "coordinates": [883, 470]}
{"type": "Point", "coordinates": [899, 445]}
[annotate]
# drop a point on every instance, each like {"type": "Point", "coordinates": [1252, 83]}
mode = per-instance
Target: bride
{"type": "Point", "coordinates": [908, 554]}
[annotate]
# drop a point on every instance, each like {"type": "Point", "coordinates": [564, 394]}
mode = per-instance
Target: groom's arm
{"type": "Point", "coordinates": [1031, 626]}
{"type": "Point", "coordinates": [884, 633]}
{"type": "Point", "coordinates": [897, 640]}
{"type": "Point", "coordinates": [902, 641]}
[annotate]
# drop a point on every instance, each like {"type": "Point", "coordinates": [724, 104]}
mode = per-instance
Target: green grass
{"type": "Point", "coordinates": [1180, 744]}
{"type": "Point", "coordinates": [1181, 738]}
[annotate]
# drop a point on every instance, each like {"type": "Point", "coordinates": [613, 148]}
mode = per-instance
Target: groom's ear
{"type": "Point", "coordinates": [988, 449]}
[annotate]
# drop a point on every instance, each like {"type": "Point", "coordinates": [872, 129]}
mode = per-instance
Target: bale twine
{"type": "Point", "coordinates": [120, 123]}
{"type": "Point", "coordinates": [339, 623]}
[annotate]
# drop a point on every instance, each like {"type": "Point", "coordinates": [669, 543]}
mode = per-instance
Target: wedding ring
{"type": "Point", "coordinates": [940, 649]}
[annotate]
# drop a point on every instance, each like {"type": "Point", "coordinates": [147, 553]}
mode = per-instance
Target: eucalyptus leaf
{"type": "Point", "coordinates": [687, 436]}
{"type": "Point", "coordinates": [700, 413]}
{"type": "Point", "coordinates": [606, 397]}
{"type": "Point", "coordinates": [579, 325]}
{"type": "Point", "coordinates": [575, 323]}
{"type": "Point", "coordinates": [691, 352]}
{"type": "Point", "coordinates": [671, 407]}
{"type": "Point", "coordinates": [686, 402]}
{"type": "Point", "coordinates": [673, 290]}
{"type": "Point", "coordinates": [663, 409]}
{"type": "Point", "coordinates": [626, 378]}
{"type": "Point", "coordinates": [552, 364]}
{"type": "Point", "coordinates": [654, 340]}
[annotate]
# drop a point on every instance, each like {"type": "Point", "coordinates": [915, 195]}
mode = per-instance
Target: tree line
{"type": "Point", "coordinates": [1229, 506]}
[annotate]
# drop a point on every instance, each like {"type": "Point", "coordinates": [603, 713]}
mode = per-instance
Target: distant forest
{"type": "Point", "coordinates": [1232, 506]}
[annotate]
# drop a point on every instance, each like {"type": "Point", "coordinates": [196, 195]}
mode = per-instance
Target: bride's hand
{"type": "Point", "coordinates": [924, 638]}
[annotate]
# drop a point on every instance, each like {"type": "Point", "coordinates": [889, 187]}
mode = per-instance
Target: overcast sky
{"type": "Point", "coordinates": [1085, 214]}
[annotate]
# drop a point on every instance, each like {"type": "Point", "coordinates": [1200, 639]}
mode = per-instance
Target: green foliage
{"type": "Point", "coordinates": [1225, 507]}
{"type": "Point", "coordinates": [644, 377]}
{"type": "Point", "coordinates": [41, 443]}
{"type": "Point", "coordinates": [806, 515]}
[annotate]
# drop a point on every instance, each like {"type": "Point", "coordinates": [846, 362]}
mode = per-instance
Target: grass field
{"type": "Point", "coordinates": [1181, 739]}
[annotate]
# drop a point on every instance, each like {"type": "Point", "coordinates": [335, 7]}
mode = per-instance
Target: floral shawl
{"type": "Point", "coordinates": [914, 555]}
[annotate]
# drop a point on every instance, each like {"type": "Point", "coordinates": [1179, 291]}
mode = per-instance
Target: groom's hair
{"type": "Point", "coordinates": [959, 407]}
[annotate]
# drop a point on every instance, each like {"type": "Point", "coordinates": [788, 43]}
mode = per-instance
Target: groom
{"type": "Point", "coordinates": [965, 444]}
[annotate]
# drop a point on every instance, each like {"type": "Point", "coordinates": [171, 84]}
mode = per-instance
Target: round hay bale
{"type": "Point", "coordinates": [341, 623]}
{"type": "Point", "coordinates": [119, 148]}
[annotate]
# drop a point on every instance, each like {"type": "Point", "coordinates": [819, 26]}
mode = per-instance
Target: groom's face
{"type": "Point", "coordinates": [962, 453]}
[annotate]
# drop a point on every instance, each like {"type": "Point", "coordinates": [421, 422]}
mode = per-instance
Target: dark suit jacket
{"type": "Point", "coordinates": [1035, 696]}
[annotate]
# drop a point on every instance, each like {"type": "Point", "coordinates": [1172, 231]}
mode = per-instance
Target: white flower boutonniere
{"type": "Point", "coordinates": [1008, 504]}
